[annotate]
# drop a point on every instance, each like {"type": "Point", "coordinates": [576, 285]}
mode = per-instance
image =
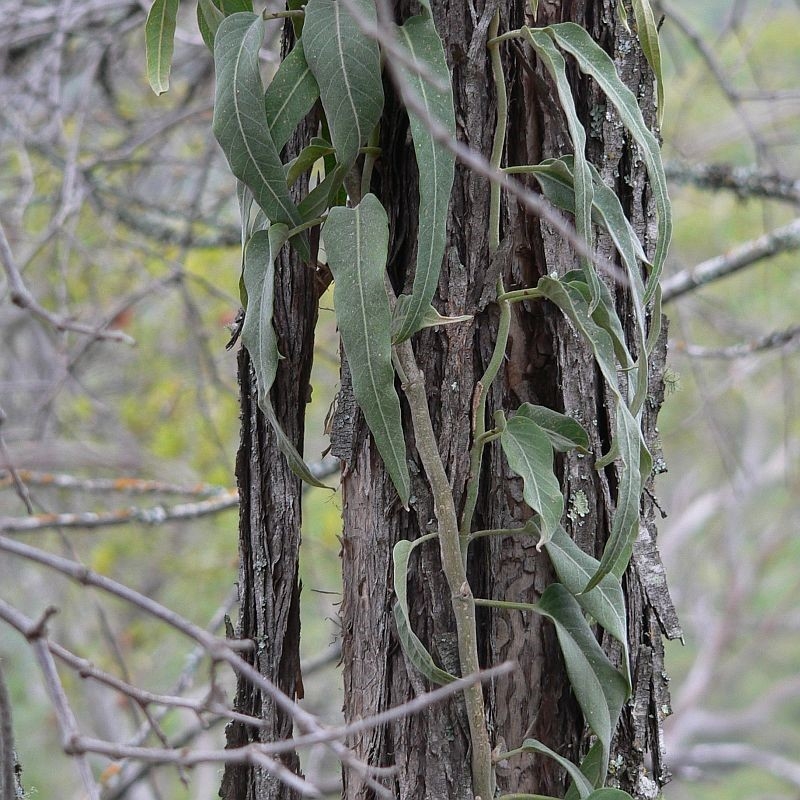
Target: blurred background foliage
{"type": "Point", "coordinates": [120, 214]}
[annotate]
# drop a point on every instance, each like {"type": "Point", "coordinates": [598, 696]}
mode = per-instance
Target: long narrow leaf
{"type": "Point", "coordinates": [605, 603]}
{"type": "Point", "coordinates": [436, 167]}
{"type": "Point", "coordinates": [594, 61]}
{"type": "Point", "coordinates": [240, 122]}
{"type": "Point", "coordinates": [530, 455]}
{"type": "Point", "coordinates": [599, 688]}
{"type": "Point", "coordinates": [159, 36]}
{"type": "Point", "coordinates": [647, 29]}
{"type": "Point", "coordinates": [416, 652]}
{"type": "Point", "coordinates": [258, 333]}
{"type": "Point", "coordinates": [346, 65]}
{"type": "Point", "coordinates": [583, 786]}
{"type": "Point", "coordinates": [356, 243]}
{"type": "Point", "coordinates": [556, 66]}
{"type": "Point", "coordinates": [290, 95]}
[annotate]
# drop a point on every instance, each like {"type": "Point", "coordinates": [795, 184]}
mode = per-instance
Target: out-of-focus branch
{"type": "Point", "coordinates": [780, 240]}
{"type": "Point", "coordinates": [717, 756]}
{"type": "Point", "coordinates": [155, 515]}
{"type": "Point", "coordinates": [21, 296]}
{"type": "Point", "coordinates": [771, 341]}
{"type": "Point", "coordinates": [744, 181]}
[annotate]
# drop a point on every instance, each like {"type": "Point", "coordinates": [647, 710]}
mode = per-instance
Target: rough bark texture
{"type": "Point", "coordinates": [547, 363]}
{"type": "Point", "coordinates": [270, 517]}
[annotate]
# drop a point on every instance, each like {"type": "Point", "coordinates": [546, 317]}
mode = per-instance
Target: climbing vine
{"type": "Point", "coordinates": [337, 60]}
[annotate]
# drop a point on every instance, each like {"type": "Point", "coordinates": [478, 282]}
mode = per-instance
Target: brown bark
{"type": "Point", "coordinates": [547, 363]}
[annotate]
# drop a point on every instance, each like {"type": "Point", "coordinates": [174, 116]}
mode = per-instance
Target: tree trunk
{"type": "Point", "coordinates": [547, 363]}
{"type": "Point", "coordinates": [270, 516]}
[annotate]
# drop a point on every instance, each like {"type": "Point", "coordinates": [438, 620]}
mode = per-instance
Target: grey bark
{"type": "Point", "coordinates": [546, 363]}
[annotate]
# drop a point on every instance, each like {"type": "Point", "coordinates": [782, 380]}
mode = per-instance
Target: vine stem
{"type": "Point", "coordinates": [462, 600]}
{"type": "Point", "coordinates": [504, 325]}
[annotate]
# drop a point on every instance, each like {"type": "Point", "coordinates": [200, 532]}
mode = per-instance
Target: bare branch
{"type": "Point", "coordinates": [744, 181]}
{"type": "Point", "coordinates": [780, 240]}
{"type": "Point", "coordinates": [21, 296]}
{"type": "Point", "coordinates": [771, 341]}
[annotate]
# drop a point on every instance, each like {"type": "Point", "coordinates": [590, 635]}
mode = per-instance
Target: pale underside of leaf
{"type": "Point", "coordinates": [356, 243]}
{"type": "Point", "coordinates": [240, 122]}
{"type": "Point", "coordinates": [346, 65]}
{"type": "Point", "coordinates": [436, 168]}
{"type": "Point", "coordinates": [648, 38]}
{"type": "Point", "coordinates": [564, 432]}
{"type": "Point", "coordinates": [416, 652]}
{"type": "Point", "coordinates": [159, 32]}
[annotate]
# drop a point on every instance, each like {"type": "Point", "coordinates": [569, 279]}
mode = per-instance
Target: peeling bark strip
{"type": "Point", "coordinates": [546, 363]}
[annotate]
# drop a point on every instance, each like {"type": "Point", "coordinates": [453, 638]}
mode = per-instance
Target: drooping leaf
{"type": "Point", "coordinates": [416, 652]}
{"type": "Point", "coordinates": [594, 61]}
{"type": "Point", "coordinates": [556, 66]}
{"type": "Point", "coordinates": [564, 432]}
{"type": "Point", "coordinates": [583, 786]}
{"type": "Point", "coordinates": [209, 18]}
{"type": "Point", "coordinates": [321, 197]}
{"type": "Point", "coordinates": [574, 306]}
{"type": "Point", "coordinates": [436, 167]}
{"type": "Point", "coordinates": [356, 243]}
{"type": "Point", "coordinates": [240, 122]}
{"type": "Point", "coordinates": [625, 523]}
{"type": "Point", "coordinates": [296, 463]}
{"type": "Point", "coordinates": [605, 603]}
{"type": "Point", "coordinates": [647, 29]}
{"type": "Point", "coordinates": [599, 688]}
{"type": "Point", "coordinates": [159, 35]}
{"type": "Point", "coordinates": [622, 13]}
{"type": "Point", "coordinates": [258, 333]}
{"type": "Point", "coordinates": [346, 65]}
{"type": "Point", "coordinates": [530, 455]}
{"type": "Point", "coordinates": [316, 149]}
{"type": "Point", "coordinates": [290, 95]}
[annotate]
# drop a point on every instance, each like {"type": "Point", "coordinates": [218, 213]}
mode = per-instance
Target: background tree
{"type": "Point", "coordinates": [73, 428]}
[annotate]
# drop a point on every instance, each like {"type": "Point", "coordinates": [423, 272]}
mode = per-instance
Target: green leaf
{"type": "Point", "coordinates": [648, 38]}
{"type": "Point", "coordinates": [625, 524]}
{"type": "Point", "coordinates": [240, 122]}
{"type": "Point", "coordinates": [356, 243]}
{"type": "Point", "coordinates": [209, 18]}
{"type": "Point", "coordinates": [159, 36]}
{"type": "Point", "coordinates": [436, 167]}
{"type": "Point", "coordinates": [594, 61]}
{"type": "Point", "coordinates": [315, 150]}
{"type": "Point", "coordinates": [564, 432]}
{"type": "Point", "coordinates": [321, 197]}
{"type": "Point", "coordinates": [599, 688]}
{"type": "Point", "coordinates": [556, 66]}
{"type": "Point", "coordinates": [605, 603]}
{"type": "Point", "coordinates": [346, 65]}
{"type": "Point", "coordinates": [622, 13]}
{"type": "Point", "coordinates": [607, 793]}
{"type": "Point", "coordinates": [416, 652]}
{"type": "Point", "coordinates": [290, 95]}
{"type": "Point", "coordinates": [429, 319]}
{"type": "Point", "coordinates": [535, 746]}
{"type": "Point", "coordinates": [530, 455]}
{"type": "Point", "coordinates": [258, 334]}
